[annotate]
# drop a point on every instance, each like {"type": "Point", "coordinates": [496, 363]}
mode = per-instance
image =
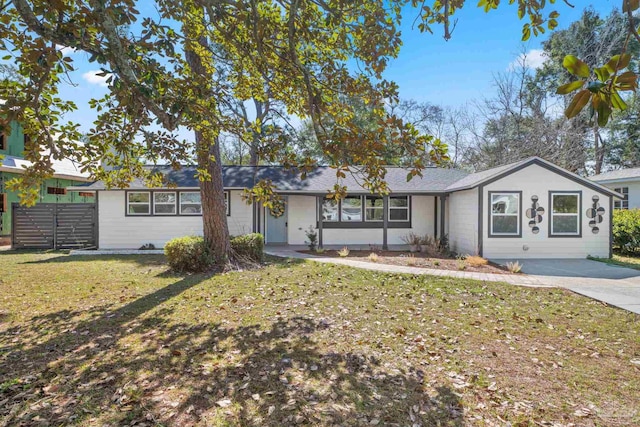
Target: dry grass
{"type": "Point", "coordinates": [475, 261]}
{"type": "Point", "coordinates": [412, 261]}
{"type": "Point", "coordinates": [344, 252]}
{"type": "Point", "coordinates": [120, 341]}
{"type": "Point", "coordinates": [373, 257]}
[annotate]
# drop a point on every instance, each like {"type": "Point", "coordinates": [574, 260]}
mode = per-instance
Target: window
{"type": "Point", "coordinates": [85, 194]}
{"type": "Point", "coordinates": [624, 203]}
{"type": "Point", "coordinates": [399, 208]}
{"type": "Point", "coordinates": [505, 214]}
{"type": "Point", "coordinates": [351, 209]}
{"type": "Point", "coordinates": [329, 210]}
{"type": "Point", "coordinates": [373, 208]}
{"type": "Point", "coordinates": [139, 203]}
{"type": "Point", "coordinates": [56, 190]}
{"type": "Point", "coordinates": [227, 203]}
{"type": "Point", "coordinates": [3, 141]}
{"type": "Point", "coordinates": [190, 203]}
{"type": "Point", "coordinates": [565, 214]}
{"type": "Point", "coordinates": [164, 203]}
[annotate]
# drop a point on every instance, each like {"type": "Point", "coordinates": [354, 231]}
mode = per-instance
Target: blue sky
{"type": "Point", "coordinates": [449, 73]}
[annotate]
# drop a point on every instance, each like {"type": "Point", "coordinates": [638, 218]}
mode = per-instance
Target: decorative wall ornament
{"type": "Point", "coordinates": [595, 214]}
{"type": "Point", "coordinates": [534, 213]}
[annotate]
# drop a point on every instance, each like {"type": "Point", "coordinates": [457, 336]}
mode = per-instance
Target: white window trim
{"type": "Point", "coordinates": [407, 208]}
{"type": "Point", "coordinates": [174, 204]}
{"type": "Point", "coordinates": [622, 204]}
{"type": "Point", "coordinates": [367, 207]}
{"type": "Point", "coordinates": [190, 203]}
{"type": "Point", "coordinates": [576, 215]}
{"type": "Point", "coordinates": [493, 214]}
{"type": "Point", "coordinates": [129, 203]}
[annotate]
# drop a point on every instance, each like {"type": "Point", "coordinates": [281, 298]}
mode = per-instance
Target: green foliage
{"type": "Point", "coordinates": [312, 238]}
{"type": "Point", "coordinates": [626, 229]}
{"type": "Point", "coordinates": [188, 254]}
{"type": "Point", "coordinates": [248, 247]}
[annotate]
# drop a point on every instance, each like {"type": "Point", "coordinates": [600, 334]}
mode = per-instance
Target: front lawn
{"type": "Point", "coordinates": [119, 341]}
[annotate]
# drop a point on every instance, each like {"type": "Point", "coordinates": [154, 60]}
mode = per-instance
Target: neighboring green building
{"type": "Point", "coordinates": [53, 190]}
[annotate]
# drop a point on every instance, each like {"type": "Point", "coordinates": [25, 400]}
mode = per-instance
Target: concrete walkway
{"type": "Point", "coordinates": [614, 285]}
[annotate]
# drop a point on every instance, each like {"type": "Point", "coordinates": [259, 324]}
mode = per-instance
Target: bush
{"type": "Point", "coordinates": [188, 254]}
{"type": "Point", "coordinates": [626, 230]}
{"type": "Point", "coordinates": [248, 247]}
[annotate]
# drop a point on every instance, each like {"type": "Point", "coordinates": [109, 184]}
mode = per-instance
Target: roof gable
{"type": "Point", "coordinates": [494, 174]}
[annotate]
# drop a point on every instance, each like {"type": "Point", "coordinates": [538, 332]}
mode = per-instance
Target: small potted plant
{"type": "Point", "coordinates": [426, 243]}
{"type": "Point", "coordinates": [312, 238]}
{"type": "Point", "coordinates": [413, 240]}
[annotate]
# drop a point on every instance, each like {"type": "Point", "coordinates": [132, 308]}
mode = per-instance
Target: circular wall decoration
{"type": "Point", "coordinates": [595, 214]}
{"type": "Point", "coordinates": [534, 213]}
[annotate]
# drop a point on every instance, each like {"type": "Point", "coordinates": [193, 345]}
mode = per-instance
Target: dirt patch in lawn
{"type": "Point", "coordinates": [416, 260]}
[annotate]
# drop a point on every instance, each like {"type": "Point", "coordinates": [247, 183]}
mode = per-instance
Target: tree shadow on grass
{"type": "Point", "coordinates": [143, 259]}
{"type": "Point", "coordinates": [142, 364]}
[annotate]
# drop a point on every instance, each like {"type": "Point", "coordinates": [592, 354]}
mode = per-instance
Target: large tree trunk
{"type": "Point", "coordinates": [214, 211]}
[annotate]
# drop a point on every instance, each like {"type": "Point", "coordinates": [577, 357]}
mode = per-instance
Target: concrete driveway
{"type": "Point", "coordinates": [612, 284]}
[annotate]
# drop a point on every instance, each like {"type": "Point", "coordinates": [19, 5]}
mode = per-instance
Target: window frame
{"type": "Point", "coordinates": [331, 221]}
{"type": "Point", "coordinates": [518, 215]}
{"type": "Point", "coordinates": [227, 201]}
{"type": "Point", "coordinates": [364, 223]}
{"type": "Point", "coordinates": [624, 203]}
{"type": "Point", "coordinates": [367, 207]}
{"type": "Point", "coordinates": [175, 203]}
{"type": "Point", "coordinates": [129, 203]}
{"type": "Point", "coordinates": [350, 221]}
{"type": "Point", "coordinates": [180, 204]}
{"type": "Point", "coordinates": [56, 191]}
{"type": "Point", "coordinates": [553, 193]}
{"type": "Point", "coordinates": [405, 208]}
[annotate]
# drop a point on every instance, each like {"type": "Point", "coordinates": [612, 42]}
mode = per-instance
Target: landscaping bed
{"type": "Point", "coordinates": [418, 259]}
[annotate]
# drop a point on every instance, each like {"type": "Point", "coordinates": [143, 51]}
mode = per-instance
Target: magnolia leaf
{"type": "Point", "coordinates": [577, 103]}
{"type": "Point", "coordinates": [604, 111]}
{"type": "Point", "coordinates": [570, 87]}
{"type": "Point", "coordinates": [602, 73]}
{"type": "Point", "coordinates": [618, 62]}
{"type": "Point", "coordinates": [576, 66]}
{"type": "Point", "coordinates": [618, 102]}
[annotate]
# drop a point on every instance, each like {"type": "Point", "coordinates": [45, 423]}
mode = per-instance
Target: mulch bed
{"type": "Point", "coordinates": [419, 259]}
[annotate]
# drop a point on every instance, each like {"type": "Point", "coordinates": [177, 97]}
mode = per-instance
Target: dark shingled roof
{"type": "Point", "coordinates": [319, 180]}
{"type": "Point", "coordinates": [617, 175]}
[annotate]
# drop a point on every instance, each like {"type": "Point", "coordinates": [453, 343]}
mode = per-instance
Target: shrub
{"type": "Point", "coordinates": [373, 257]}
{"type": "Point", "coordinates": [412, 239]}
{"type": "Point", "coordinates": [312, 237]}
{"type": "Point", "coordinates": [514, 266]}
{"type": "Point", "coordinates": [626, 230]}
{"type": "Point", "coordinates": [475, 261]}
{"type": "Point", "coordinates": [188, 254]}
{"type": "Point", "coordinates": [412, 260]}
{"type": "Point", "coordinates": [248, 247]}
{"type": "Point", "coordinates": [320, 250]}
{"type": "Point", "coordinates": [344, 252]}
{"type": "Point", "coordinates": [461, 263]}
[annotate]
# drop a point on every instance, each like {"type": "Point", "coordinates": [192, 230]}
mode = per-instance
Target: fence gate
{"type": "Point", "coordinates": [54, 226]}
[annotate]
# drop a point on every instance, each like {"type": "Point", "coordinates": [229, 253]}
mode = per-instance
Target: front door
{"type": "Point", "coordinates": [276, 227]}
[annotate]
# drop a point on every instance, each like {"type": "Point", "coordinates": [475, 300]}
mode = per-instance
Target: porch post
{"type": "Point", "coordinates": [442, 215]}
{"type": "Point", "coordinates": [385, 221]}
{"type": "Point", "coordinates": [319, 201]}
{"type": "Point", "coordinates": [435, 217]}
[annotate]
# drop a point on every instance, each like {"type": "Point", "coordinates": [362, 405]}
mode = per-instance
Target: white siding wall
{"type": "Point", "coordinates": [634, 192]}
{"type": "Point", "coordinates": [302, 214]}
{"type": "Point", "coordinates": [536, 180]}
{"type": "Point", "coordinates": [117, 231]}
{"type": "Point", "coordinates": [462, 215]}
